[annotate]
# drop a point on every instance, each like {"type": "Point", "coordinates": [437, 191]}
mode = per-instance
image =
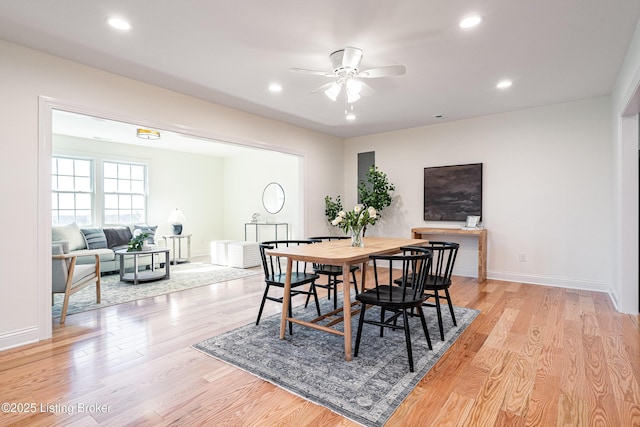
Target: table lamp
{"type": "Point", "coordinates": [176, 218]}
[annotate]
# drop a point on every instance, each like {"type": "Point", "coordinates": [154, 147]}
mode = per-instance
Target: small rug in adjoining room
{"type": "Point", "coordinates": [311, 363]}
{"type": "Point", "coordinates": [182, 276]}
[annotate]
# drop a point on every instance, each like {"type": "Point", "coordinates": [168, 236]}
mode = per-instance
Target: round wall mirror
{"type": "Point", "coordinates": [273, 197]}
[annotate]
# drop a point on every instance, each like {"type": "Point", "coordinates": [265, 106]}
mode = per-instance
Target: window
{"type": "Point", "coordinates": [124, 193]}
{"type": "Point", "coordinates": [71, 191]}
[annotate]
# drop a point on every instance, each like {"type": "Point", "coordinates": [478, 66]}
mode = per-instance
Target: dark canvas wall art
{"type": "Point", "coordinates": [451, 193]}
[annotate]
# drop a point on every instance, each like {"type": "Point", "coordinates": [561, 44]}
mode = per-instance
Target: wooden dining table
{"type": "Point", "coordinates": [336, 252]}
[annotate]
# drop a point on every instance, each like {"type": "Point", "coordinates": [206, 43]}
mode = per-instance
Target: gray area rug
{"type": "Point", "coordinates": [183, 276]}
{"type": "Point", "coordinates": [311, 363]}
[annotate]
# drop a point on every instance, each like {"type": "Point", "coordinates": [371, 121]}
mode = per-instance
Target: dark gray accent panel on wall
{"type": "Point", "coordinates": [365, 161]}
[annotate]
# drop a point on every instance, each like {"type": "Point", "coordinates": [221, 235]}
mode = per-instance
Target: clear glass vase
{"type": "Point", "coordinates": [357, 239]}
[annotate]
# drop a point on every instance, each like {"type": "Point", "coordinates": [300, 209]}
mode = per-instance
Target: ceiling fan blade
{"type": "Point", "coordinates": [323, 87]}
{"type": "Point", "coordinates": [313, 72]}
{"type": "Point", "coordinates": [390, 70]}
{"type": "Point", "coordinates": [351, 57]}
{"type": "Point", "coordinates": [366, 89]}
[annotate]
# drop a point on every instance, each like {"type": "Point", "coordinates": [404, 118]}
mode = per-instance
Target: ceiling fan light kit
{"type": "Point", "coordinates": [354, 87]}
{"type": "Point", "coordinates": [333, 91]}
{"type": "Point", "coordinates": [352, 90]}
{"type": "Point", "coordinates": [345, 63]}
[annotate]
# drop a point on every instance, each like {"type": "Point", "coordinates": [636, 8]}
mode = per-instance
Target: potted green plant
{"type": "Point", "coordinates": [376, 191]}
{"type": "Point", "coordinates": [374, 194]}
{"type": "Point", "coordinates": [137, 243]}
{"type": "Point", "coordinates": [332, 208]}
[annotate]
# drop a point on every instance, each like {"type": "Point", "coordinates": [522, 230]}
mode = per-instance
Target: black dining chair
{"type": "Point", "coordinates": [439, 279]}
{"type": "Point", "coordinates": [275, 275]}
{"type": "Point", "coordinates": [332, 272]}
{"type": "Point", "coordinates": [398, 297]}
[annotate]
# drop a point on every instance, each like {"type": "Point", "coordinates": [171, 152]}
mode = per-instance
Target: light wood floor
{"type": "Point", "coordinates": [535, 356]}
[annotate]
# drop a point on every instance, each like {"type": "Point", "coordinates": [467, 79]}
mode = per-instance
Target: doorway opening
{"type": "Point", "coordinates": [220, 202]}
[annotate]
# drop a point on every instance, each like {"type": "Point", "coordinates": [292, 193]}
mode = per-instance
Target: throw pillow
{"type": "Point", "coordinates": [151, 229]}
{"type": "Point", "coordinates": [69, 233]}
{"type": "Point", "coordinates": [117, 236]}
{"type": "Point", "coordinates": [95, 238]}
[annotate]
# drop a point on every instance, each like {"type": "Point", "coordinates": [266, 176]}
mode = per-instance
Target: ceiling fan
{"type": "Point", "coordinates": [345, 63]}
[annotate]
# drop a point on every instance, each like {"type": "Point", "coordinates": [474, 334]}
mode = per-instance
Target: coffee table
{"type": "Point", "coordinates": [145, 275]}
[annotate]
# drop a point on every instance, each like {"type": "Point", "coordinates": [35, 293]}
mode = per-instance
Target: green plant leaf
{"type": "Point", "coordinates": [376, 191]}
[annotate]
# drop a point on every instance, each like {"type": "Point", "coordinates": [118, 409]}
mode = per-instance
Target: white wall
{"type": "Point", "coordinates": [245, 179]}
{"type": "Point", "coordinates": [546, 189]}
{"type": "Point", "coordinates": [26, 76]}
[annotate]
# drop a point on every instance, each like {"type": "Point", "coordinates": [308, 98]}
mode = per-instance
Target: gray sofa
{"type": "Point", "coordinates": [104, 241]}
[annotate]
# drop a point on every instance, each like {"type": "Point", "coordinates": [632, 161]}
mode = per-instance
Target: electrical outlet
{"type": "Point", "coordinates": [522, 257]}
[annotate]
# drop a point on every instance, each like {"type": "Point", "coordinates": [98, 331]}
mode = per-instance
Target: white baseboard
{"type": "Point", "coordinates": [615, 301]}
{"type": "Point", "coordinates": [465, 272]}
{"type": "Point", "coordinates": [558, 282]}
{"type": "Point", "coordinates": [535, 279]}
{"type": "Point", "coordinates": [17, 338]}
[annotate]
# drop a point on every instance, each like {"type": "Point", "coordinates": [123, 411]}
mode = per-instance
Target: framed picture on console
{"type": "Point", "coordinates": [452, 193]}
{"type": "Point", "coordinates": [472, 221]}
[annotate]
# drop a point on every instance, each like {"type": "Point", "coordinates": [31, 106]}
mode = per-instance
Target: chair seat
{"type": "Point", "coordinates": [332, 269]}
{"type": "Point", "coordinates": [297, 279]}
{"type": "Point", "coordinates": [390, 297]}
{"type": "Point", "coordinates": [332, 272]}
{"type": "Point", "coordinates": [83, 271]}
{"type": "Point", "coordinates": [436, 283]}
{"type": "Point", "coordinates": [431, 283]}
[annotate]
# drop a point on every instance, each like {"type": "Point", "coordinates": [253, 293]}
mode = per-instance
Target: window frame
{"type": "Point", "coordinates": [56, 192]}
{"type": "Point", "coordinates": [124, 215]}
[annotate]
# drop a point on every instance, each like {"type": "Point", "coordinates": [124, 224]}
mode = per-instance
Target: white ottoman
{"type": "Point", "coordinates": [219, 251]}
{"type": "Point", "coordinates": [243, 254]}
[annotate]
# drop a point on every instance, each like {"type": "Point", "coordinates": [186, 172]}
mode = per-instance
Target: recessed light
{"type": "Point", "coordinates": [119, 24]}
{"type": "Point", "coordinates": [438, 116]}
{"type": "Point", "coordinates": [275, 87]}
{"type": "Point", "coordinates": [503, 84]}
{"type": "Point", "coordinates": [350, 116]}
{"type": "Point", "coordinates": [470, 21]}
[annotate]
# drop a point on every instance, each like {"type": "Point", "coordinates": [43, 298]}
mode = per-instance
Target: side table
{"type": "Point", "coordinates": [177, 238]}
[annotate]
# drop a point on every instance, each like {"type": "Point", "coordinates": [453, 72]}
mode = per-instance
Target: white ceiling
{"type": "Point", "coordinates": [100, 129]}
{"type": "Point", "coordinates": [229, 52]}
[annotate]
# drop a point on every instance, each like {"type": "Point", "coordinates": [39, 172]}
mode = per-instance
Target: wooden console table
{"type": "Point", "coordinates": [416, 233]}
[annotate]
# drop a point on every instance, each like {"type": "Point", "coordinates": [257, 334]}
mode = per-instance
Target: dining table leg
{"type": "Point", "coordinates": [363, 275]}
{"type": "Point", "coordinates": [346, 312]}
{"type": "Point", "coordinates": [286, 299]}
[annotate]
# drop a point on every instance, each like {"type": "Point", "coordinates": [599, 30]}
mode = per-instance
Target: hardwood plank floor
{"type": "Point", "coordinates": [535, 356]}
